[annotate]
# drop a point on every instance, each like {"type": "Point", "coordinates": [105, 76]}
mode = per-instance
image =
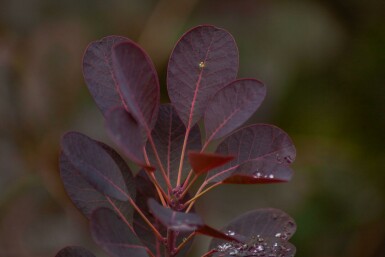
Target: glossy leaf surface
{"type": "Point", "coordinates": [145, 191]}
{"type": "Point", "coordinates": [262, 232]}
{"type": "Point", "coordinates": [95, 164]}
{"type": "Point", "coordinates": [266, 146]}
{"type": "Point", "coordinates": [203, 162]}
{"type": "Point", "coordinates": [232, 106]}
{"type": "Point", "coordinates": [86, 198]}
{"type": "Point", "coordinates": [74, 251]}
{"type": "Point", "coordinates": [138, 82]}
{"type": "Point", "coordinates": [183, 222]}
{"type": "Point", "coordinates": [168, 135]}
{"type": "Point", "coordinates": [204, 60]}
{"type": "Point", "coordinates": [126, 134]}
{"type": "Point", "coordinates": [98, 73]}
{"type": "Point", "coordinates": [114, 236]}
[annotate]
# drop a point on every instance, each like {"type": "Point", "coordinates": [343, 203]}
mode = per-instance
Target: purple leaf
{"type": "Point", "coordinates": [114, 236]}
{"type": "Point", "coordinates": [260, 172]}
{"type": "Point", "coordinates": [95, 164]}
{"type": "Point", "coordinates": [232, 106]}
{"type": "Point", "coordinates": [145, 191]}
{"type": "Point", "coordinates": [177, 221]}
{"type": "Point", "coordinates": [204, 60]}
{"type": "Point", "coordinates": [203, 162]}
{"type": "Point", "coordinates": [98, 74]}
{"type": "Point", "coordinates": [184, 222]}
{"type": "Point", "coordinates": [267, 148]}
{"type": "Point", "coordinates": [74, 251]}
{"type": "Point", "coordinates": [86, 198]}
{"type": "Point", "coordinates": [168, 135]}
{"type": "Point", "coordinates": [138, 82]}
{"type": "Point", "coordinates": [262, 232]}
{"type": "Point", "coordinates": [127, 134]}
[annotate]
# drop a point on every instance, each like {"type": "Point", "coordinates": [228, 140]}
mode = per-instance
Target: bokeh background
{"type": "Point", "coordinates": [324, 66]}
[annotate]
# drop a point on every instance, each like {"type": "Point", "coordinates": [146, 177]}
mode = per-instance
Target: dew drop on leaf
{"type": "Point", "coordinates": [202, 65]}
{"type": "Point", "coordinates": [230, 233]}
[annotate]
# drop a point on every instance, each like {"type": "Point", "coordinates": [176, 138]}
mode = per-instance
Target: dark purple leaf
{"type": "Point", "coordinates": [138, 82]}
{"type": "Point", "coordinates": [114, 236]}
{"type": "Point", "coordinates": [145, 191]}
{"type": "Point", "coordinates": [265, 146]}
{"type": "Point", "coordinates": [262, 232]}
{"type": "Point", "coordinates": [184, 222]}
{"type": "Point", "coordinates": [95, 164]}
{"type": "Point", "coordinates": [74, 251]}
{"type": "Point", "coordinates": [232, 106]}
{"type": "Point", "coordinates": [203, 61]}
{"type": "Point", "coordinates": [260, 172]}
{"type": "Point", "coordinates": [177, 221]}
{"type": "Point", "coordinates": [127, 134]}
{"type": "Point", "coordinates": [168, 135]}
{"type": "Point", "coordinates": [203, 162]}
{"type": "Point", "coordinates": [86, 198]}
{"type": "Point", "coordinates": [98, 74]}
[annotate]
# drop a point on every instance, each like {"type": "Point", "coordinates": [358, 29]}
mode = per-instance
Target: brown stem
{"type": "Point", "coordinates": [156, 232]}
{"type": "Point", "coordinates": [167, 180]}
{"type": "Point", "coordinates": [151, 175]}
{"type": "Point", "coordinates": [184, 242]}
{"type": "Point", "coordinates": [209, 253]}
{"type": "Point", "coordinates": [182, 155]}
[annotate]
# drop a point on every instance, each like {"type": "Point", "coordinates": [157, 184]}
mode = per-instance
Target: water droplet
{"type": "Point", "coordinates": [202, 65]}
{"type": "Point", "coordinates": [258, 175]}
{"type": "Point", "coordinates": [230, 233]}
{"type": "Point", "coordinates": [234, 252]}
{"type": "Point", "coordinates": [224, 247]}
{"type": "Point", "coordinates": [271, 176]}
{"type": "Point", "coordinates": [278, 235]}
{"type": "Point", "coordinates": [260, 248]}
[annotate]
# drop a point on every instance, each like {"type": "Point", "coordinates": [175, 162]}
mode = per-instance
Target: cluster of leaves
{"type": "Point", "coordinates": [152, 213]}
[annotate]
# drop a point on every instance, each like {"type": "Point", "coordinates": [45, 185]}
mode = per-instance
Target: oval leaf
{"type": "Point", "coordinates": [177, 221]}
{"type": "Point", "coordinates": [232, 106]}
{"type": "Point", "coordinates": [256, 143]}
{"type": "Point", "coordinates": [95, 164]}
{"type": "Point", "coordinates": [138, 82]}
{"type": "Point", "coordinates": [184, 222]}
{"type": "Point", "coordinates": [203, 61]}
{"type": "Point", "coordinates": [126, 134]}
{"type": "Point", "coordinates": [74, 251]}
{"type": "Point", "coordinates": [98, 75]}
{"type": "Point", "coordinates": [86, 198]}
{"type": "Point", "coordinates": [168, 135]}
{"type": "Point", "coordinates": [203, 162]}
{"type": "Point", "coordinates": [114, 236]}
{"type": "Point", "coordinates": [262, 232]}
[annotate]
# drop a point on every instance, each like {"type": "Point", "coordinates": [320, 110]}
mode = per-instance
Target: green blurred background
{"type": "Point", "coordinates": [324, 66]}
